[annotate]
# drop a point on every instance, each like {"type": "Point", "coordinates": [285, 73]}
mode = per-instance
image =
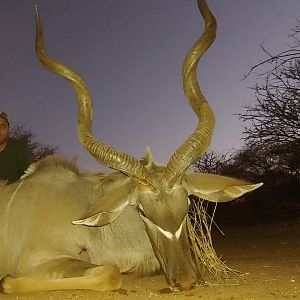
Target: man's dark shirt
{"type": "Point", "coordinates": [14, 160]}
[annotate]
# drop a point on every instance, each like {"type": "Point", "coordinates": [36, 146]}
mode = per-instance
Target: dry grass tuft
{"type": "Point", "coordinates": [212, 268]}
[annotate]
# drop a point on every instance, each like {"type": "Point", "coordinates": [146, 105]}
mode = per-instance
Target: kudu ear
{"type": "Point", "coordinates": [109, 207]}
{"type": "Point", "coordinates": [216, 188]}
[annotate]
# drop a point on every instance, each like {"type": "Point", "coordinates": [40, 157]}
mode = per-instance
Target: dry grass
{"type": "Point", "coordinates": [212, 268]}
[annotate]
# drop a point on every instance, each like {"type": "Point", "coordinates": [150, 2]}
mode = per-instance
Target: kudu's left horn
{"type": "Point", "coordinates": [103, 153]}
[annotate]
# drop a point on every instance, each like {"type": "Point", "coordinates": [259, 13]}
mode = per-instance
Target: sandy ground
{"type": "Point", "coordinates": [269, 257]}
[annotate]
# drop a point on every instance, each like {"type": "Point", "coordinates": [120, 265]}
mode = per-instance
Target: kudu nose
{"type": "Point", "coordinates": [184, 279]}
{"type": "Point", "coordinates": [178, 287]}
{"type": "Point", "coordinates": [183, 286]}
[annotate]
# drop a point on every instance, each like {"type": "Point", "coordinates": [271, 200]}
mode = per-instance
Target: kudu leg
{"type": "Point", "coordinates": [64, 274]}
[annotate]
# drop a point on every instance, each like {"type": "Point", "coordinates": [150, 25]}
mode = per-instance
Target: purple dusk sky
{"type": "Point", "coordinates": [130, 54]}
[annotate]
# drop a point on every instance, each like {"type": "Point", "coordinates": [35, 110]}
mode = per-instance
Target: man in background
{"type": "Point", "coordinates": [15, 157]}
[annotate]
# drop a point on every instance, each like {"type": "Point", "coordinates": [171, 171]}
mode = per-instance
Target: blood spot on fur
{"type": "Point", "coordinates": [83, 249]}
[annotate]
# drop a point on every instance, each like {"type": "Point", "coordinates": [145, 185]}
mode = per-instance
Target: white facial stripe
{"type": "Point", "coordinates": [167, 234]}
{"type": "Point", "coordinates": [146, 220]}
{"type": "Point", "coordinates": [141, 207]}
{"type": "Point", "coordinates": [178, 232]}
{"type": "Point", "coordinates": [189, 201]}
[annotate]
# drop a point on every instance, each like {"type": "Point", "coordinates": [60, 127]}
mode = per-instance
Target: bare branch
{"type": "Point", "coordinates": [39, 150]}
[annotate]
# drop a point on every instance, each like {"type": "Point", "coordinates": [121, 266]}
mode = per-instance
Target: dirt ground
{"type": "Point", "coordinates": [267, 255]}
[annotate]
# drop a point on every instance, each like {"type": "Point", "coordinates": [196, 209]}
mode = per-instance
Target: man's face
{"type": "Point", "coordinates": [4, 131]}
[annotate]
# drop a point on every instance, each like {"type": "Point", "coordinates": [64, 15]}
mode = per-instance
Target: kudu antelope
{"type": "Point", "coordinates": [60, 229]}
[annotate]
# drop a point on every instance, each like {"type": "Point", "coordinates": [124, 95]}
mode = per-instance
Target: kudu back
{"type": "Point", "coordinates": [66, 230]}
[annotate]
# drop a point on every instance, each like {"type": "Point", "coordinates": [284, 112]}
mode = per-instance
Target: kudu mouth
{"type": "Point", "coordinates": [184, 286]}
{"type": "Point", "coordinates": [178, 287]}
